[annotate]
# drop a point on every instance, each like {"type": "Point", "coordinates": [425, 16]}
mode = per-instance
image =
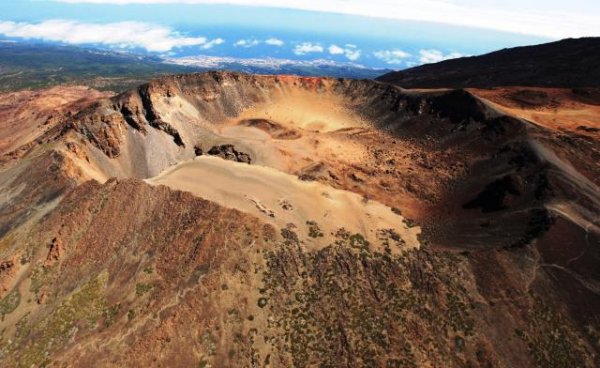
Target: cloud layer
{"type": "Point", "coordinates": [210, 44]}
{"type": "Point", "coordinates": [274, 42]}
{"type": "Point", "coordinates": [351, 52]}
{"type": "Point", "coordinates": [425, 56]}
{"type": "Point", "coordinates": [123, 34]}
{"type": "Point", "coordinates": [555, 19]}
{"type": "Point", "coordinates": [307, 48]}
{"type": "Point", "coordinates": [246, 43]}
{"type": "Point", "coordinates": [435, 56]}
{"type": "Point", "coordinates": [395, 56]}
{"type": "Point", "coordinates": [156, 38]}
{"type": "Point", "coordinates": [251, 42]}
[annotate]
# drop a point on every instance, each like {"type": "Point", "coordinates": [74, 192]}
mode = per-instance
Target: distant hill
{"type": "Point", "coordinates": [37, 65]}
{"type": "Point", "coordinates": [568, 63]}
{"type": "Point", "coordinates": [31, 66]}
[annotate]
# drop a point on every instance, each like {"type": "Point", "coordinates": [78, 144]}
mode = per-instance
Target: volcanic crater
{"type": "Point", "coordinates": [335, 223]}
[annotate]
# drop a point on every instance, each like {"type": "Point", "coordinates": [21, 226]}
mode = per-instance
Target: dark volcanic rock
{"type": "Point", "coordinates": [492, 197]}
{"type": "Point", "coordinates": [228, 152]}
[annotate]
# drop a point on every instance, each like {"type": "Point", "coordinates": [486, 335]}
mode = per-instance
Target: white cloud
{"type": "Point", "coordinates": [254, 42]}
{"type": "Point", "coordinates": [353, 54]}
{"type": "Point", "coordinates": [395, 56]}
{"type": "Point", "coordinates": [555, 19]}
{"type": "Point", "coordinates": [212, 43]}
{"type": "Point", "coordinates": [350, 51]}
{"type": "Point", "coordinates": [274, 42]}
{"type": "Point", "coordinates": [335, 50]}
{"type": "Point", "coordinates": [246, 43]}
{"type": "Point", "coordinates": [435, 56]}
{"type": "Point", "coordinates": [122, 34]}
{"type": "Point", "coordinates": [307, 47]}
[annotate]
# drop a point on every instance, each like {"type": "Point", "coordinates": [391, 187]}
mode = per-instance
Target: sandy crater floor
{"type": "Point", "coordinates": [282, 199]}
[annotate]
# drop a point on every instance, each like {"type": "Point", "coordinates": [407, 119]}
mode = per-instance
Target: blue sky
{"type": "Point", "coordinates": [395, 34]}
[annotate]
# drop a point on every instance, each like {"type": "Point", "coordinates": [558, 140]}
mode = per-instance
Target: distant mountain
{"type": "Point", "coordinates": [568, 63]}
{"type": "Point", "coordinates": [318, 67]}
{"type": "Point", "coordinates": [39, 65]}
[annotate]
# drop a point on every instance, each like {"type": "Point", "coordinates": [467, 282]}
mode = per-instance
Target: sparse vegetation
{"type": "Point", "coordinates": [38, 276]}
{"type": "Point", "coordinates": [359, 297]}
{"type": "Point", "coordinates": [142, 288]}
{"type": "Point", "coordinates": [209, 343]}
{"type": "Point", "coordinates": [289, 235]}
{"type": "Point", "coordinates": [22, 327]}
{"type": "Point", "coordinates": [10, 302]}
{"type": "Point", "coordinates": [198, 240]}
{"type": "Point", "coordinates": [410, 222]}
{"type": "Point", "coordinates": [358, 241]}
{"type": "Point", "coordinates": [203, 363]}
{"type": "Point", "coordinates": [83, 308]}
{"type": "Point", "coordinates": [111, 313]}
{"type": "Point", "coordinates": [551, 340]}
{"type": "Point", "coordinates": [314, 231]}
{"type": "Point", "coordinates": [262, 302]}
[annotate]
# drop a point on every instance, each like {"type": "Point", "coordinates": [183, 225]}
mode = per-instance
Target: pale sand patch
{"type": "Point", "coordinates": [309, 111]}
{"type": "Point", "coordinates": [264, 192]}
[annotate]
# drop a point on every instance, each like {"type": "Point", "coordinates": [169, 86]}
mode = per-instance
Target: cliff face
{"type": "Point", "coordinates": [333, 223]}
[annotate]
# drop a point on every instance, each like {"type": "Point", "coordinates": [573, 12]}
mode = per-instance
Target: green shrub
{"type": "Point", "coordinates": [314, 231]}
{"type": "Point", "coordinates": [141, 289]}
{"type": "Point", "coordinates": [10, 302]}
{"type": "Point", "coordinates": [262, 302]}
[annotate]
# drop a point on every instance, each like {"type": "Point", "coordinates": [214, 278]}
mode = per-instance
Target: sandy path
{"type": "Point", "coordinates": [281, 199]}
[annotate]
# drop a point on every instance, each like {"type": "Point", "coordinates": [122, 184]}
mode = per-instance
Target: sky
{"type": "Point", "coordinates": [375, 33]}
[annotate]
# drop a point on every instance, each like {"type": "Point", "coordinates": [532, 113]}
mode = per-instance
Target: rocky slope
{"type": "Point", "coordinates": [336, 223]}
{"type": "Point", "coordinates": [27, 114]}
{"type": "Point", "coordinates": [570, 63]}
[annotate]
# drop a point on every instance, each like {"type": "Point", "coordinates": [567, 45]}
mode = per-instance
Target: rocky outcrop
{"type": "Point", "coordinates": [55, 252]}
{"type": "Point", "coordinates": [153, 117]}
{"type": "Point", "coordinates": [271, 127]}
{"type": "Point", "coordinates": [228, 152]}
{"type": "Point", "coordinates": [8, 269]}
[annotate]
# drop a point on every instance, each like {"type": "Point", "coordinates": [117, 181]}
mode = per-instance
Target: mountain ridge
{"type": "Point", "coordinates": [569, 63]}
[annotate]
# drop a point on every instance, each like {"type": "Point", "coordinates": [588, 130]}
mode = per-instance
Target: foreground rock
{"type": "Point", "coordinates": [228, 152]}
